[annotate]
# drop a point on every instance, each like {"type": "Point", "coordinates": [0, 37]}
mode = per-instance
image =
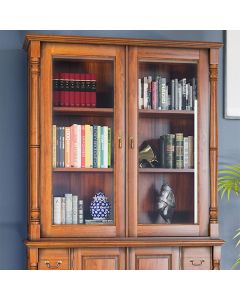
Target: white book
{"type": "Point", "coordinates": [145, 92]}
{"type": "Point", "coordinates": [79, 145]}
{"type": "Point", "coordinates": [140, 98]}
{"type": "Point", "coordinates": [80, 211]}
{"type": "Point", "coordinates": [57, 203]}
{"type": "Point", "coordinates": [74, 209]}
{"type": "Point", "coordinates": [75, 146]}
{"type": "Point", "coordinates": [63, 212]}
{"type": "Point", "coordinates": [91, 146]}
{"type": "Point", "coordinates": [185, 153]}
{"type": "Point", "coordinates": [105, 149]}
{"type": "Point", "coordinates": [69, 219]}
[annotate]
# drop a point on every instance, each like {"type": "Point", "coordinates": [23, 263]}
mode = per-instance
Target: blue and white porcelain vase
{"type": "Point", "coordinates": [100, 207]}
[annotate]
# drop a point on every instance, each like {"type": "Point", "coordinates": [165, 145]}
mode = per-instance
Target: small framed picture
{"type": "Point", "coordinates": [232, 70]}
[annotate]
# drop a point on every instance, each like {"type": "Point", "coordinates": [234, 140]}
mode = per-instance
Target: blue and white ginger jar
{"type": "Point", "coordinates": [100, 207]}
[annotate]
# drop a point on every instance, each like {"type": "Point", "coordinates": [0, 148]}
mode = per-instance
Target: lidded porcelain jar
{"type": "Point", "coordinates": [100, 207]}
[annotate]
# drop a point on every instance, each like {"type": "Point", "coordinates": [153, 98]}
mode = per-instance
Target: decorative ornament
{"type": "Point", "coordinates": [100, 207]}
{"type": "Point", "coordinates": [166, 203]}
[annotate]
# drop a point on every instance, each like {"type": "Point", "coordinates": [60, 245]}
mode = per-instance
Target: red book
{"type": "Point", "coordinates": [93, 90]}
{"type": "Point", "coordinates": [83, 90]}
{"type": "Point", "coordinates": [66, 89]}
{"type": "Point", "coordinates": [71, 89]}
{"type": "Point", "coordinates": [88, 89]}
{"type": "Point", "coordinates": [83, 146]}
{"type": "Point", "coordinates": [77, 93]}
{"type": "Point", "coordinates": [56, 100]}
{"type": "Point", "coordinates": [61, 89]}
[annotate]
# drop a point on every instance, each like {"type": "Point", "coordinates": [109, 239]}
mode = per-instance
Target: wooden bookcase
{"type": "Point", "coordinates": [135, 239]}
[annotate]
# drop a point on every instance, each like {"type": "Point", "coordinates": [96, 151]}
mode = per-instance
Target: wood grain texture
{"type": "Point", "coordinates": [118, 41]}
{"type": "Point", "coordinates": [196, 258]}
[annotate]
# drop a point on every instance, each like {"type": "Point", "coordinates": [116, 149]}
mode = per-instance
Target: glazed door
{"type": "Point", "coordinates": [82, 140]}
{"type": "Point", "coordinates": [168, 142]}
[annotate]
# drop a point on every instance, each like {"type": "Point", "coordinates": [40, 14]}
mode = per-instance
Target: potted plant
{"type": "Point", "coordinates": [229, 181]}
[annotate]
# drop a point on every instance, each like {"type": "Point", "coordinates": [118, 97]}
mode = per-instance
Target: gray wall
{"type": "Point", "coordinates": [13, 115]}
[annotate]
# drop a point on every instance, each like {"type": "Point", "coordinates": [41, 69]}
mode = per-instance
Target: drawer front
{"type": "Point", "coordinates": [198, 258]}
{"type": "Point", "coordinates": [53, 259]}
{"type": "Point", "coordinates": [165, 258]}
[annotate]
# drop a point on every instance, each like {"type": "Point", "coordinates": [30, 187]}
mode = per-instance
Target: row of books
{"type": "Point", "coordinates": [74, 89]}
{"type": "Point", "coordinates": [82, 146]}
{"type": "Point", "coordinates": [68, 210]}
{"type": "Point", "coordinates": [173, 95]}
{"type": "Point", "coordinates": [176, 151]}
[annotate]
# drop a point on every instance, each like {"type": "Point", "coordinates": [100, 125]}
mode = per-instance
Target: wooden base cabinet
{"type": "Point", "coordinates": [135, 120]}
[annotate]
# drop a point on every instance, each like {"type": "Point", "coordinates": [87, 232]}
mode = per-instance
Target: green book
{"type": "Point", "coordinates": [98, 146]}
{"type": "Point", "coordinates": [169, 150]}
{"type": "Point", "coordinates": [179, 150]}
{"type": "Point", "coordinates": [109, 147]}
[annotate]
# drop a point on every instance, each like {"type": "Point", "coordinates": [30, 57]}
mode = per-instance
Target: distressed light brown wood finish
{"type": "Point", "coordinates": [133, 242]}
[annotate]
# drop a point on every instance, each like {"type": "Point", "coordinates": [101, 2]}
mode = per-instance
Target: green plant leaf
{"type": "Point", "coordinates": [236, 263]}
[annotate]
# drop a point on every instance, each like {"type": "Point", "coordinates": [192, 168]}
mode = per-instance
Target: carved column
{"type": "Point", "coordinates": [213, 142]}
{"type": "Point", "coordinates": [34, 141]}
{"type": "Point", "coordinates": [32, 259]}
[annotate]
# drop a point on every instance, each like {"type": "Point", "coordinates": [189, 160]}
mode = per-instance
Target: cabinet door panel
{"type": "Point", "coordinates": [53, 259]}
{"type": "Point", "coordinates": [154, 258]}
{"type": "Point", "coordinates": [99, 259]}
{"type": "Point", "coordinates": [197, 258]}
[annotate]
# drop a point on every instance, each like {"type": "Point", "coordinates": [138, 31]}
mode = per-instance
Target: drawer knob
{"type": "Point", "coordinates": [197, 263]}
{"type": "Point", "coordinates": [58, 264]}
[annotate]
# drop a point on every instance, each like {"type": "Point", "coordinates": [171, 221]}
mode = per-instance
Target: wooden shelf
{"type": "Point", "coordinates": [164, 170]}
{"type": "Point", "coordinates": [84, 170]}
{"type": "Point", "coordinates": [88, 111]}
{"type": "Point", "coordinates": [165, 113]}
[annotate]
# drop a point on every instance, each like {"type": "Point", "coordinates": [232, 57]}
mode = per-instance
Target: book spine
{"type": "Point", "coordinates": [185, 153]}
{"type": "Point", "coordinates": [164, 102]}
{"type": "Point", "coordinates": [183, 93]}
{"type": "Point", "coordinates": [93, 90]}
{"type": "Point", "coordinates": [57, 210]}
{"type": "Point", "coordinates": [179, 96]}
{"type": "Point", "coordinates": [109, 147]}
{"type": "Point", "coordinates": [74, 209]}
{"type": "Point", "coordinates": [190, 92]}
{"type": "Point", "coordinates": [56, 100]}
{"type": "Point", "coordinates": [80, 212]}
{"type": "Point", "coordinates": [83, 90]}
{"type": "Point", "coordinates": [67, 147]}
{"type": "Point", "coordinates": [102, 147]}
{"type": "Point", "coordinates": [72, 145]}
{"type": "Point", "coordinates": [83, 147]}
{"type": "Point", "coordinates": [77, 91]}
{"type": "Point", "coordinates": [140, 96]}
{"type": "Point", "coordinates": [71, 89]}
{"type": "Point", "coordinates": [179, 150]}
{"type": "Point", "coordinates": [63, 212]}
{"type": "Point", "coordinates": [99, 146]}
{"type": "Point", "coordinates": [162, 151]}
{"type": "Point", "coordinates": [94, 146]}
{"type": "Point", "coordinates": [61, 89]}
{"type": "Point", "coordinates": [54, 144]}
{"type": "Point", "coordinates": [176, 101]}
{"type": "Point", "coordinates": [88, 89]}
{"type": "Point", "coordinates": [75, 146]}
{"type": "Point", "coordinates": [154, 94]}
{"type": "Point", "coordinates": [145, 92]}
{"type": "Point", "coordinates": [87, 146]}
{"type": "Point", "coordinates": [190, 152]}
{"type": "Point", "coordinates": [79, 147]}
{"type": "Point", "coordinates": [57, 146]}
{"type": "Point", "coordinates": [169, 151]}
{"type": "Point", "coordinates": [91, 146]}
{"type": "Point", "coordinates": [62, 147]}
{"type": "Point", "coordinates": [69, 209]}
{"type": "Point", "coordinates": [149, 92]}
{"type": "Point", "coordinates": [172, 94]}
{"type": "Point", "coordinates": [159, 92]}
{"type": "Point", "coordinates": [66, 95]}
{"type": "Point", "coordinates": [105, 151]}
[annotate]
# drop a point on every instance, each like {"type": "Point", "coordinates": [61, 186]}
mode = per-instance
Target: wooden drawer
{"type": "Point", "coordinates": [198, 258]}
{"type": "Point", "coordinates": [53, 259]}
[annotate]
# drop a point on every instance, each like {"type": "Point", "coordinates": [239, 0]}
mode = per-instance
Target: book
{"type": "Point", "coordinates": [93, 96]}
{"type": "Point", "coordinates": [140, 96]}
{"type": "Point", "coordinates": [102, 148]}
{"type": "Point", "coordinates": [179, 150]}
{"type": "Point", "coordinates": [63, 212]}
{"type": "Point", "coordinates": [54, 144]}
{"type": "Point", "coordinates": [66, 89]}
{"type": "Point", "coordinates": [76, 146]}
{"type": "Point", "coordinates": [164, 97]}
{"type": "Point", "coordinates": [67, 147]}
{"type": "Point", "coordinates": [109, 147]}
{"type": "Point", "coordinates": [69, 208]}
{"type": "Point", "coordinates": [82, 89]}
{"type": "Point", "coordinates": [90, 221]}
{"type": "Point", "coordinates": [56, 98]}
{"type": "Point", "coordinates": [57, 203]}
{"type": "Point", "coordinates": [61, 87]}
{"type": "Point", "coordinates": [105, 149]}
{"type": "Point", "coordinates": [149, 92]}
{"type": "Point", "coordinates": [71, 89]}
{"type": "Point", "coordinates": [98, 146]}
{"type": "Point", "coordinates": [61, 146]}
{"type": "Point", "coordinates": [169, 150]}
{"type": "Point", "coordinates": [87, 146]}
{"type": "Point", "coordinates": [88, 89]}
{"type": "Point", "coordinates": [154, 95]}
{"type": "Point", "coordinates": [185, 153]}
{"type": "Point", "coordinates": [77, 90]}
{"type": "Point", "coordinates": [145, 92]}
{"type": "Point", "coordinates": [176, 101]}
{"type": "Point", "coordinates": [91, 146]}
{"type": "Point", "coordinates": [172, 106]}
{"type": "Point", "coordinates": [74, 209]}
{"type": "Point", "coordinates": [80, 212]}
{"type": "Point", "coordinates": [83, 146]}
{"type": "Point", "coordinates": [95, 146]}
{"type": "Point", "coordinates": [57, 147]}
{"type": "Point", "coordinates": [190, 152]}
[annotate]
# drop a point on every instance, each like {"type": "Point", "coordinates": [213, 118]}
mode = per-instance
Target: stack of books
{"type": "Point", "coordinates": [68, 210]}
{"type": "Point", "coordinates": [176, 151]}
{"type": "Point", "coordinates": [160, 94]}
{"type": "Point", "coordinates": [74, 89]}
{"type": "Point", "coordinates": [82, 146]}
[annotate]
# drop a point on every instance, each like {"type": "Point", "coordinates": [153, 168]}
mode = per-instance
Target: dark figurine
{"type": "Point", "coordinates": [166, 203]}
